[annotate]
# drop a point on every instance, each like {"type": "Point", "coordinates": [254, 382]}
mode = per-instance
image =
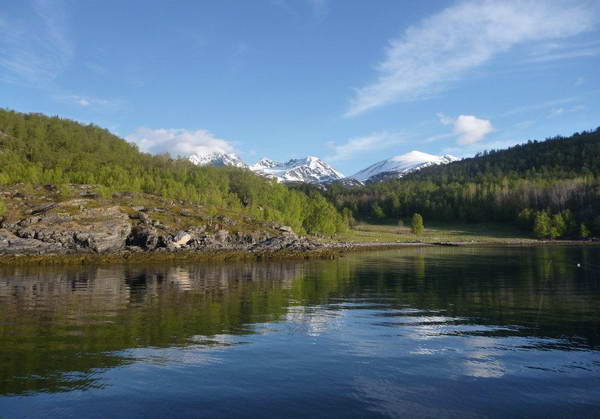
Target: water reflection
{"type": "Point", "coordinates": [60, 326]}
{"type": "Point", "coordinates": [407, 332]}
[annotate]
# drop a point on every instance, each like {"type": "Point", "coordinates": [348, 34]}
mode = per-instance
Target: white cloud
{"type": "Point", "coordinates": [468, 128]}
{"type": "Point", "coordinates": [444, 47]}
{"type": "Point", "coordinates": [35, 50]}
{"type": "Point", "coordinates": [178, 142]}
{"type": "Point", "coordinates": [375, 141]}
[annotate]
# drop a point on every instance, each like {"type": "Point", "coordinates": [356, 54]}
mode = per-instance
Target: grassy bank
{"type": "Point", "coordinates": [436, 233]}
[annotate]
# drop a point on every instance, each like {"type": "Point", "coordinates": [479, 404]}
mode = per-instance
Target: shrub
{"type": "Point", "coordinates": [416, 225]}
{"type": "Point", "coordinates": [584, 233]}
{"type": "Point", "coordinates": [542, 225]}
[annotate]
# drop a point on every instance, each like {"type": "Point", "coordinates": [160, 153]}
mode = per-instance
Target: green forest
{"type": "Point", "coordinates": [39, 150]}
{"type": "Point", "coordinates": [550, 188]}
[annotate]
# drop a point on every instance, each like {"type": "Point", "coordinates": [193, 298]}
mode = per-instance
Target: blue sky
{"type": "Point", "coordinates": [350, 81]}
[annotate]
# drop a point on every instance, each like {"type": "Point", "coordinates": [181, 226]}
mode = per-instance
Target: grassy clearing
{"type": "Point", "coordinates": [436, 232]}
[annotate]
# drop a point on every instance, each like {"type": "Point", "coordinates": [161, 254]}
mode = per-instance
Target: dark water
{"type": "Point", "coordinates": [436, 332]}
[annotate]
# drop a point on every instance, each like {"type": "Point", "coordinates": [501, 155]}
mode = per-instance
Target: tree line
{"type": "Point", "coordinates": [548, 181]}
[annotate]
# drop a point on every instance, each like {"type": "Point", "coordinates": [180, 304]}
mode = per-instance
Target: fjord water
{"type": "Point", "coordinates": [432, 332]}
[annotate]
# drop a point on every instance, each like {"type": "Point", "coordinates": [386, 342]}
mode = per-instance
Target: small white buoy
{"type": "Point", "coordinates": [579, 265]}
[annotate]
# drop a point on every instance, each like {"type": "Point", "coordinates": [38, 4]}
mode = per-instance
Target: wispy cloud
{"type": "Point", "coordinates": [178, 142]}
{"type": "Point", "coordinates": [472, 149]}
{"type": "Point", "coordinates": [468, 128]}
{"type": "Point", "coordinates": [565, 110]}
{"type": "Point", "coordinates": [555, 51]}
{"type": "Point", "coordinates": [34, 51]}
{"type": "Point", "coordinates": [538, 106]}
{"type": "Point", "coordinates": [565, 55]}
{"type": "Point", "coordinates": [86, 101]}
{"type": "Point", "coordinates": [445, 47]}
{"type": "Point", "coordinates": [353, 146]}
{"type": "Point", "coordinates": [438, 137]}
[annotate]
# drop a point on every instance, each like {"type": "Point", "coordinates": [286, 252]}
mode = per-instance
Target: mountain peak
{"type": "Point", "coordinates": [217, 159]}
{"type": "Point", "coordinates": [307, 169]}
{"type": "Point", "coordinates": [398, 166]}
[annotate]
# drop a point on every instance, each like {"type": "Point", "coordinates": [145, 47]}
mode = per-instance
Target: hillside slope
{"type": "Point", "coordinates": [558, 157]}
{"type": "Point", "coordinates": [41, 150]}
{"type": "Point", "coordinates": [551, 187]}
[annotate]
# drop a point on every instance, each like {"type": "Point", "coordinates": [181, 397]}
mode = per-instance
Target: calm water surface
{"type": "Point", "coordinates": [435, 332]}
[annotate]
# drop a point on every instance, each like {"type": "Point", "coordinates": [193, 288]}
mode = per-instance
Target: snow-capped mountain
{"type": "Point", "coordinates": [398, 166]}
{"type": "Point", "coordinates": [217, 159]}
{"type": "Point", "coordinates": [309, 169]}
{"type": "Point", "coordinates": [315, 170]}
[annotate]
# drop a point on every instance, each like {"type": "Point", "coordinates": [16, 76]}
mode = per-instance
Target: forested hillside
{"type": "Point", "coordinates": [37, 149]}
{"type": "Point", "coordinates": [551, 187]}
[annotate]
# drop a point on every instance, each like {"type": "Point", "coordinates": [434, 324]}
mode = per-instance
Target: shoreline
{"type": "Point", "coordinates": [326, 251]}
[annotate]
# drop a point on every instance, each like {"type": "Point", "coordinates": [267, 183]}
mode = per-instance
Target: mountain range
{"type": "Point", "coordinates": [314, 170]}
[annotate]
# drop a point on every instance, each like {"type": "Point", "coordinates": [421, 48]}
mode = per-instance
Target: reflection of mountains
{"type": "Point", "coordinates": [60, 326]}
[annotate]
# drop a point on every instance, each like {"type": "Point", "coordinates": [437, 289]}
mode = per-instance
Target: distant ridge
{"type": "Point", "coordinates": [398, 166]}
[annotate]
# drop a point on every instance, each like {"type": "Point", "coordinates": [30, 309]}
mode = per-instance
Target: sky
{"type": "Point", "coordinates": [350, 81]}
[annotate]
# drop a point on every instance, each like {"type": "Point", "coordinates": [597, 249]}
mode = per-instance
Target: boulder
{"type": "Point", "coordinates": [181, 239]}
{"type": "Point", "coordinates": [144, 237]}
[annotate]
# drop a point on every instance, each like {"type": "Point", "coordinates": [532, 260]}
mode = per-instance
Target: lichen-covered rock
{"type": "Point", "coordinates": [12, 245]}
{"type": "Point", "coordinates": [99, 229]}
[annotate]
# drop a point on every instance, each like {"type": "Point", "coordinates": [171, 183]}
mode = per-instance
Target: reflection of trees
{"type": "Point", "coordinates": [539, 290]}
{"type": "Point", "coordinates": [59, 326]}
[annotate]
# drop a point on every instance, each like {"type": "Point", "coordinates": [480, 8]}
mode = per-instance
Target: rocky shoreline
{"type": "Point", "coordinates": [52, 231]}
{"type": "Point", "coordinates": [88, 229]}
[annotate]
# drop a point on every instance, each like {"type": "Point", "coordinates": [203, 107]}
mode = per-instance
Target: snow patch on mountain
{"type": "Point", "coordinates": [401, 165]}
{"type": "Point", "coordinates": [217, 159]}
{"type": "Point", "coordinates": [309, 169]}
